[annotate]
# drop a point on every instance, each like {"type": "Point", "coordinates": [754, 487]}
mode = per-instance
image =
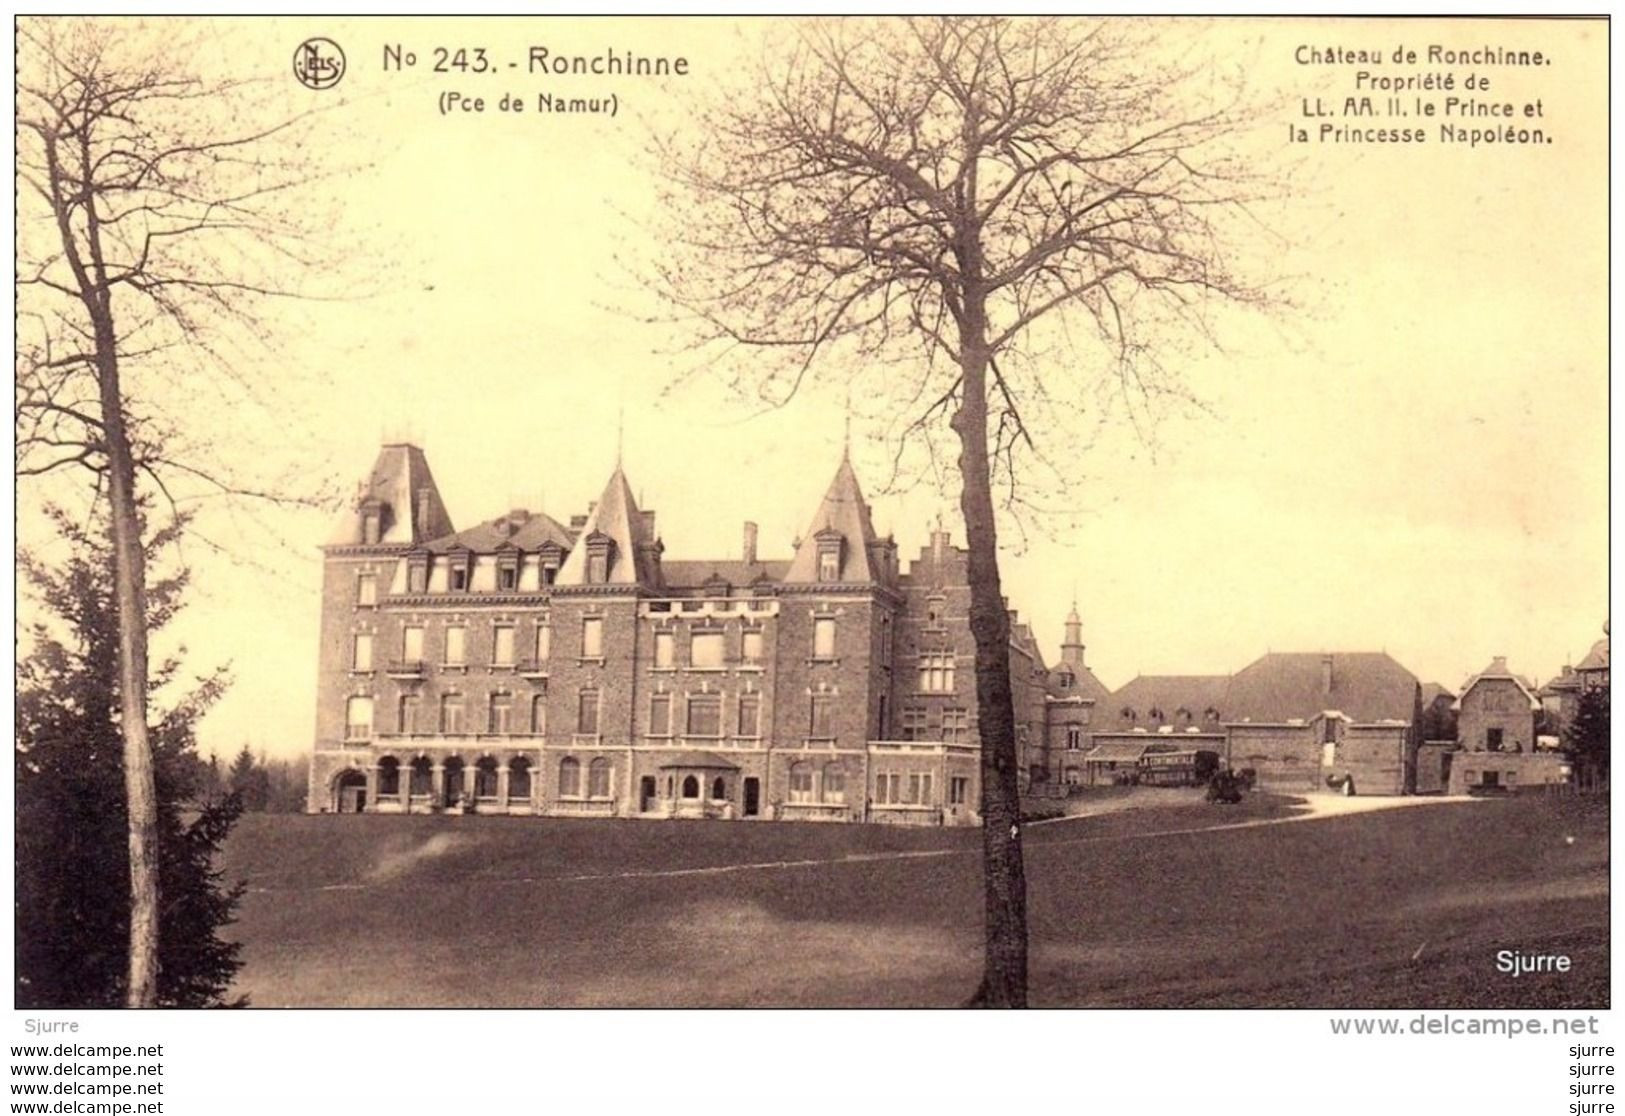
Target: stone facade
{"type": "Point", "coordinates": [1496, 712]}
{"type": "Point", "coordinates": [526, 666]}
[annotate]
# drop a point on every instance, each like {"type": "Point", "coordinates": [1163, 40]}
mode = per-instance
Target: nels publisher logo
{"type": "Point", "coordinates": [318, 63]}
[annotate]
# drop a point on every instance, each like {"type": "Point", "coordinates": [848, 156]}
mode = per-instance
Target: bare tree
{"type": "Point", "coordinates": [997, 214]}
{"type": "Point", "coordinates": [151, 224]}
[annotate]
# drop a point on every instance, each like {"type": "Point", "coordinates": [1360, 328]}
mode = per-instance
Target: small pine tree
{"type": "Point", "coordinates": [72, 905]}
{"type": "Point", "coordinates": [249, 781]}
{"type": "Point", "coordinates": [1586, 737]}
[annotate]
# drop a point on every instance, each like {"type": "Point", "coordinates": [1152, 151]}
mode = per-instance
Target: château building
{"type": "Point", "coordinates": [530, 666]}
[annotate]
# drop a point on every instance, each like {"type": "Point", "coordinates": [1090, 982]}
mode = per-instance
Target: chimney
{"type": "Point", "coordinates": [422, 517]}
{"type": "Point", "coordinates": [749, 553]}
{"type": "Point", "coordinates": [578, 521]}
{"type": "Point", "coordinates": [1499, 666]}
{"type": "Point", "coordinates": [1326, 674]}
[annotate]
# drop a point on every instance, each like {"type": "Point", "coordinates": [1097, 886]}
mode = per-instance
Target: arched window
{"type": "Point", "coordinates": [691, 787]}
{"type": "Point", "coordinates": [719, 789]}
{"type": "Point", "coordinates": [519, 777]}
{"type": "Point", "coordinates": [389, 776]}
{"type": "Point", "coordinates": [598, 778]}
{"type": "Point", "coordinates": [422, 777]}
{"type": "Point", "coordinates": [485, 778]}
{"type": "Point", "coordinates": [801, 782]}
{"type": "Point", "coordinates": [834, 782]}
{"type": "Point", "coordinates": [570, 777]}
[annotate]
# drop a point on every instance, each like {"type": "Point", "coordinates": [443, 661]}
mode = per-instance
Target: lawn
{"type": "Point", "coordinates": [1169, 905]}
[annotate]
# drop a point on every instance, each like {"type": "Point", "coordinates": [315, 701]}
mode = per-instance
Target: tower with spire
{"type": "Point", "coordinates": [1072, 645]}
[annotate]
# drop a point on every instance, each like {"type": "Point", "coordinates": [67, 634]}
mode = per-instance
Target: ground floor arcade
{"type": "Point", "coordinates": [893, 782]}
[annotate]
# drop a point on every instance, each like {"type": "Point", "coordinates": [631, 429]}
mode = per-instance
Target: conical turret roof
{"type": "Point", "coordinates": [615, 516]}
{"type": "Point", "coordinates": [843, 512]}
{"type": "Point", "coordinates": [403, 490]}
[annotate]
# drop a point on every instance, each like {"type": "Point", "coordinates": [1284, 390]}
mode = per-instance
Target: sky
{"type": "Point", "coordinates": [1411, 458]}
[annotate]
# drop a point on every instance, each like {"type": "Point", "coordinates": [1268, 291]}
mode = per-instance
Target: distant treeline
{"type": "Point", "coordinates": [270, 786]}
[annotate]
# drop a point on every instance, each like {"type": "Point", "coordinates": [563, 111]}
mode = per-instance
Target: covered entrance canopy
{"type": "Point", "coordinates": [699, 783]}
{"type": "Point", "coordinates": [698, 761]}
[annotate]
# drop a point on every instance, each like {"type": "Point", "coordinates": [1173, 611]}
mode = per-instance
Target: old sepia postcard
{"type": "Point", "coordinates": [813, 512]}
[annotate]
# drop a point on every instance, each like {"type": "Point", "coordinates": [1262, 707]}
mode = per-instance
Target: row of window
{"type": "Point", "coordinates": [807, 784]}
{"type": "Point", "coordinates": [915, 788]}
{"type": "Point", "coordinates": [706, 649]}
{"type": "Point", "coordinates": [915, 725]}
{"type": "Point", "coordinates": [419, 776]}
{"type": "Point", "coordinates": [1181, 715]}
{"type": "Point", "coordinates": [702, 715]}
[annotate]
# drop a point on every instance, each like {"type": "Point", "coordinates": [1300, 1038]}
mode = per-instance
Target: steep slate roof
{"type": "Point", "coordinates": [1566, 682]}
{"type": "Point", "coordinates": [1597, 657]}
{"type": "Point", "coordinates": [1498, 669]}
{"type": "Point", "coordinates": [616, 515]}
{"type": "Point", "coordinates": [843, 510]}
{"type": "Point", "coordinates": [531, 530]}
{"type": "Point", "coordinates": [1021, 634]}
{"type": "Point", "coordinates": [398, 474]}
{"type": "Point", "coordinates": [1084, 684]}
{"type": "Point", "coordinates": [1171, 693]}
{"type": "Point", "coordinates": [1432, 691]}
{"type": "Point", "coordinates": [707, 760]}
{"type": "Point", "coordinates": [1282, 686]}
{"type": "Point", "coordinates": [693, 573]}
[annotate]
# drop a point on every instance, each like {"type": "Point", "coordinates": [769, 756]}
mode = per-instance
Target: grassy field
{"type": "Point", "coordinates": [1170, 905]}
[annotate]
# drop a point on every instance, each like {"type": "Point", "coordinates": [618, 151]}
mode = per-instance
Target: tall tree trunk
{"type": "Point", "coordinates": [129, 561]}
{"type": "Point", "coordinates": [130, 593]}
{"type": "Point", "coordinates": [1004, 974]}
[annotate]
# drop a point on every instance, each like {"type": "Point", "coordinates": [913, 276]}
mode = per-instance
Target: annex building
{"type": "Point", "coordinates": [530, 666]}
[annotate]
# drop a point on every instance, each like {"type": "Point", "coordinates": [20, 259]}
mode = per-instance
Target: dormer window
{"type": "Point", "coordinates": [372, 520]}
{"type": "Point", "coordinates": [829, 543]}
{"type": "Point", "coordinates": [417, 573]}
{"type": "Point", "coordinates": [551, 557]}
{"type": "Point", "coordinates": [508, 571]}
{"type": "Point", "coordinates": [459, 570]}
{"type": "Point", "coordinates": [600, 548]}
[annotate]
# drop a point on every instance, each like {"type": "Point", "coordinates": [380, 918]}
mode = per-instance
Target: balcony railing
{"type": "Point", "coordinates": [405, 668]}
{"type": "Point", "coordinates": [814, 811]}
{"type": "Point", "coordinates": [585, 807]}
